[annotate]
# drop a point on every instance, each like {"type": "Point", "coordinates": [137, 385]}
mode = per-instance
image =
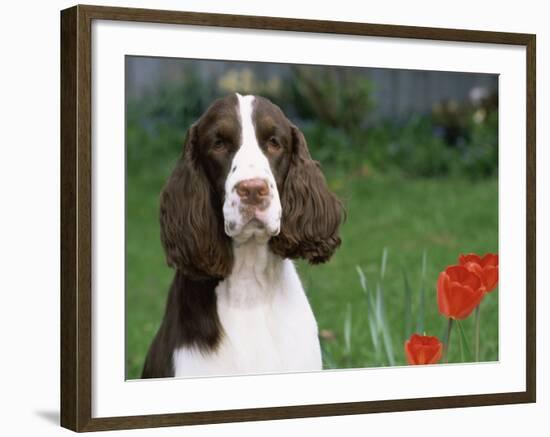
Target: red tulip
{"type": "Point", "coordinates": [486, 268]}
{"type": "Point", "coordinates": [459, 291]}
{"type": "Point", "coordinates": [423, 349]}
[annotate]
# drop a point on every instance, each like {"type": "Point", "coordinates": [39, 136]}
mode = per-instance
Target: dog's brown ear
{"type": "Point", "coordinates": [191, 224]}
{"type": "Point", "coordinates": [311, 213]}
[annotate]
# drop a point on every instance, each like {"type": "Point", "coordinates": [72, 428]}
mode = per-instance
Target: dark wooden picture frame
{"type": "Point", "coordinates": [76, 217]}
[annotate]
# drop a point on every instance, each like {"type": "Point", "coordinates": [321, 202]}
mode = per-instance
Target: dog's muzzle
{"type": "Point", "coordinates": [254, 193]}
{"type": "Point", "coordinates": [252, 208]}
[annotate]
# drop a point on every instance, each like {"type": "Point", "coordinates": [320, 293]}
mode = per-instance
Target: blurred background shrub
{"type": "Point", "coordinates": [339, 110]}
{"type": "Point", "coordinates": [413, 155]}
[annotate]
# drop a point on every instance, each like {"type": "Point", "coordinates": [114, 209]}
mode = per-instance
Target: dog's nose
{"type": "Point", "coordinates": [252, 191]}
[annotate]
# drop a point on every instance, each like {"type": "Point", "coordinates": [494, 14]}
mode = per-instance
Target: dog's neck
{"type": "Point", "coordinates": [255, 275]}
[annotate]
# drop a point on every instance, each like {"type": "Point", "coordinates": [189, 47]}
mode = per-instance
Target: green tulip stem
{"type": "Point", "coordinates": [447, 340]}
{"type": "Point", "coordinates": [477, 317]}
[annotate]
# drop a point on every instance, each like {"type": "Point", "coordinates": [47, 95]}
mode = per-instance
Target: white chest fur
{"type": "Point", "coordinates": [268, 325]}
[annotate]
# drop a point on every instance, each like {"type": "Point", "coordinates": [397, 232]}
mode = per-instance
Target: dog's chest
{"type": "Point", "coordinates": [268, 326]}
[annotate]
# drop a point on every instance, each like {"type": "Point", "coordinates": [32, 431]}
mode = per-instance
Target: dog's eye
{"type": "Point", "coordinates": [273, 144]}
{"type": "Point", "coordinates": [219, 145]}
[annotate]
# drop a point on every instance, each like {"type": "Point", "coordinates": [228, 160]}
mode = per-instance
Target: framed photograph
{"type": "Point", "coordinates": [268, 218]}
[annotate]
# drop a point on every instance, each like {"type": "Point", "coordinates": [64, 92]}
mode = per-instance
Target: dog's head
{"type": "Point", "coordinates": [245, 173]}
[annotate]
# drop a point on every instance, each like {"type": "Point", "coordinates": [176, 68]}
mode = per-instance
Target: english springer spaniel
{"type": "Point", "coordinates": [244, 199]}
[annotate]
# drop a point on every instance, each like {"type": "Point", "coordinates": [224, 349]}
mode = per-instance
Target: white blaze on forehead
{"type": "Point", "coordinates": [245, 113]}
{"type": "Point", "coordinates": [249, 163]}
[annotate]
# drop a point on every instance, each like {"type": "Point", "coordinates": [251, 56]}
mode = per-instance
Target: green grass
{"type": "Point", "coordinates": [443, 217]}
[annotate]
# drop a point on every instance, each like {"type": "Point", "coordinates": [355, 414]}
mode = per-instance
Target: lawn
{"type": "Point", "coordinates": [407, 218]}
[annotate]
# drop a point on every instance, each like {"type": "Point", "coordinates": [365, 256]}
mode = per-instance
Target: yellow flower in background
{"type": "Point", "coordinates": [244, 81]}
{"type": "Point", "coordinates": [238, 81]}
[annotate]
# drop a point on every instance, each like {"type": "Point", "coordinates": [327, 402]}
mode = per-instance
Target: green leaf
{"type": "Point", "coordinates": [347, 331]}
{"type": "Point", "coordinates": [447, 340]}
{"type": "Point", "coordinates": [371, 312]}
{"type": "Point", "coordinates": [384, 261]}
{"type": "Point", "coordinates": [378, 324]}
{"type": "Point", "coordinates": [362, 278]}
{"type": "Point", "coordinates": [408, 306]}
{"type": "Point", "coordinates": [422, 304]}
{"type": "Point", "coordinates": [383, 326]}
{"type": "Point", "coordinates": [465, 351]}
{"type": "Point", "coordinates": [328, 360]}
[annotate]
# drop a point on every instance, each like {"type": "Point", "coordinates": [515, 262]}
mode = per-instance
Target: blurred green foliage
{"type": "Point", "coordinates": [334, 108]}
{"type": "Point", "coordinates": [417, 148]}
{"type": "Point", "coordinates": [333, 97]}
{"type": "Point", "coordinates": [156, 124]}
